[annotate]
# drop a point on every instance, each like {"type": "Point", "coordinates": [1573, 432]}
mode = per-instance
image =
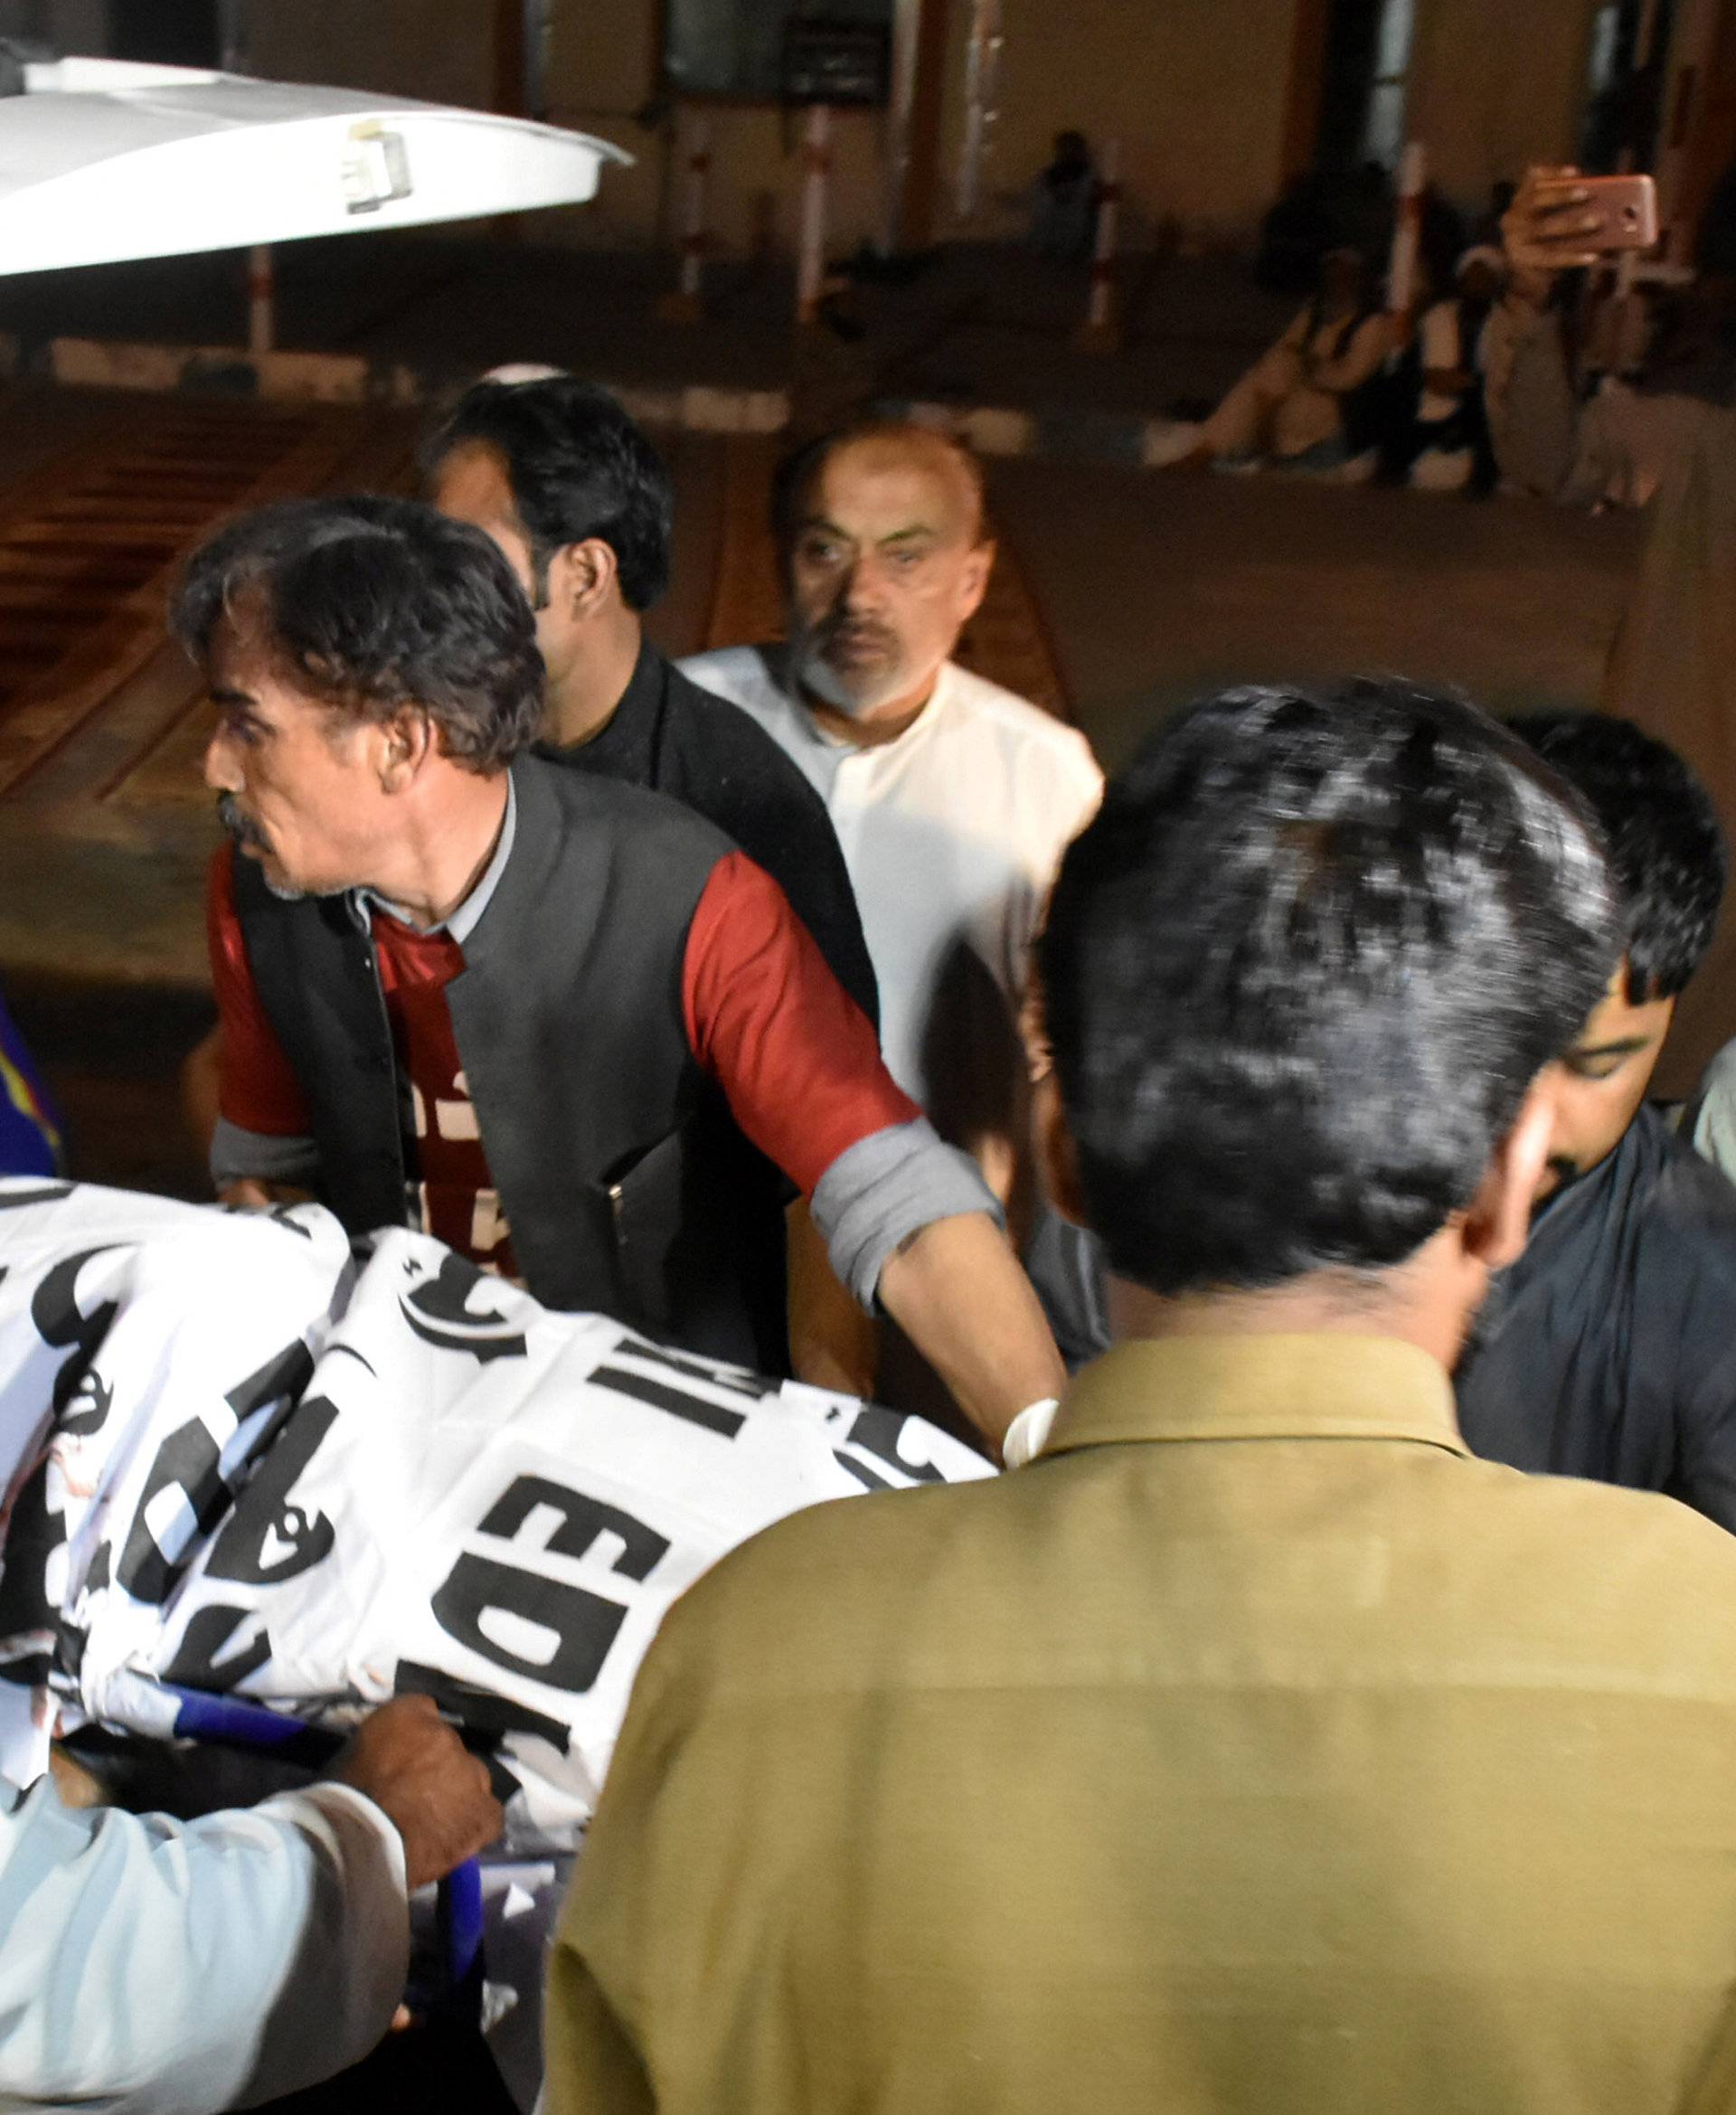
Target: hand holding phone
{"type": "Point", "coordinates": [1560, 219]}
{"type": "Point", "coordinates": [1626, 209]}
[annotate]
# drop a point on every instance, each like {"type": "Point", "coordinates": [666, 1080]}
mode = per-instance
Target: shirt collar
{"type": "Point", "coordinates": [627, 740]}
{"type": "Point", "coordinates": [1329, 1386]}
{"type": "Point", "coordinates": [466, 918]}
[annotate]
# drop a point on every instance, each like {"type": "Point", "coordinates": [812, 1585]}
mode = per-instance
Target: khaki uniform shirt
{"type": "Point", "coordinates": [1255, 1749]}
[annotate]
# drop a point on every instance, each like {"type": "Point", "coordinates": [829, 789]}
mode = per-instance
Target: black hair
{"type": "Point", "coordinates": [1665, 845]}
{"type": "Point", "coordinates": [579, 468]}
{"type": "Point", "coordinates": [372, 604]}
{"type": "Point", "coordinates": [799, 467]}
{"type": "Point", "coordinates": [1300, 972]}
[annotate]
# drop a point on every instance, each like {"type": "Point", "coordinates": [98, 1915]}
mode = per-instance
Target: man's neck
{"type": "Point", "coordinates": [444, 849]}
{"type": "Point", "coordinates": [1407, 1302]}
{"type": "Point", "coordinates": [584, 699]}
{"type": "Point", "coordinates": [874, 730]}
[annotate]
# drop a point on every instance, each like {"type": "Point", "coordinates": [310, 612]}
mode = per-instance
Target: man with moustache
{"type": "Point", "coordinates": [582, 505]}
{"type": "Point", "coordinates": [533, 1011]}
{"type": "Point", "coordinates": [953, 799]}
{"type": "Point", "coordinates": [1609, 1349]}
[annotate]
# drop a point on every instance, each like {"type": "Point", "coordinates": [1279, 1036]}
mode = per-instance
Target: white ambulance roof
{"type": "Point", "coordinates": [101, 160]}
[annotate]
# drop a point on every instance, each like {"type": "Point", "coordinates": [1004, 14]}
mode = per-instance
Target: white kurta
{"type": "Point", "coordinates": [952, 834]}
{"type": "Point", "coordinates": [1291, 400]}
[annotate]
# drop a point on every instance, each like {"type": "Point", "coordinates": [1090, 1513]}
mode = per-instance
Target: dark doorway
{"type": "Point", "coordinates": [1347, 77]}
{"type": "Point", "coordinates": [166, 33]}
{"type": "Point", "coordinates": [1362, 84]}
{"type": "Point", "coordinates": [1624, 85]}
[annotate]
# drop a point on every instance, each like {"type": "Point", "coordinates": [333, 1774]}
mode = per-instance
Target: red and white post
{"type": "Point", "coordinates": [686, 304]}
{"type": "Point", "coordinates": [1402, 288]}
{"type": "Point", "coordinates": [261, 299]}
{"type": "Point", "coordinates": [1101, 331]}
{"type": "Point", "coordinates": [817, 172]}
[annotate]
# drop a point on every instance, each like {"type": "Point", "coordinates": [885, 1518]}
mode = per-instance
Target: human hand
{"type": "Point", "coordinates": [1549, 225]}
{"type": "Point", "coordinates": [410, 1763]}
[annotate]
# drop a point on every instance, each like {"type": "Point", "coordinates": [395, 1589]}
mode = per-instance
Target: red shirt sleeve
{"type": "Point", "coordinates": [797, 1057]}
{"type": "Point", "coordinates": [257, 1088]}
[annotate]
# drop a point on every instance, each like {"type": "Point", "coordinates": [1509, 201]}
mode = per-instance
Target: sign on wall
{"type": "Point", "coordinates": [778, 51]}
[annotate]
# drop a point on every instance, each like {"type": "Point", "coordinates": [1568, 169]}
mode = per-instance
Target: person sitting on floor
{"type": "Point", "coordinates": [1445, 445]}
{"type": "Point", "coordinates": [1300, 406]}
{"type": "Point", "coordinates": [1606, 1350]}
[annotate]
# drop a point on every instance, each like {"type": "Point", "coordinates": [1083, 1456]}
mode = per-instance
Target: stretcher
{"type": "Point", "coordinates": [234, 1722]}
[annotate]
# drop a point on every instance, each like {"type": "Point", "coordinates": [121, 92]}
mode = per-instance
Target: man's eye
{"type": "Point", "coordinates": [1594, 1068]}
{"type": "Point", "coordinates": [905, 561]}
{"type": "Point", "coordinates": [823, 554]}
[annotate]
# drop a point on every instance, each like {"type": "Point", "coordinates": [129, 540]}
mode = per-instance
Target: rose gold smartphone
{"type": "Point", "coordinates": [1627, 207]}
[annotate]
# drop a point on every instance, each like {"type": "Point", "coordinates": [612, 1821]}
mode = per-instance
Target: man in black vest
{"type": "Point", "coordinates": [530, 1009]}
{"type": "Point", "coordinates": [581, 504]}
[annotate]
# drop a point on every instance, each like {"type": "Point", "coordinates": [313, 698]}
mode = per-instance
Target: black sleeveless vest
{"type": "Point", "coordinates": [625, 1182]}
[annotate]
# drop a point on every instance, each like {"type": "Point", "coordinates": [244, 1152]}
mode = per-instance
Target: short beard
{"type": "Point", "coordinates": [814, 673]}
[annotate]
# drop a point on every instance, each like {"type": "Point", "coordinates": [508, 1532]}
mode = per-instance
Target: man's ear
{"type": "Point", "coordinates": [1057, 1155]}
{"type": "Point", "coordinates": [978, 565]}
{"type": "Point", "coordinates": [1498, 1220]}
{"type": "Point", "coordinates": [403, 747]}
{"type": "Point", "coordinates": [583, 577]}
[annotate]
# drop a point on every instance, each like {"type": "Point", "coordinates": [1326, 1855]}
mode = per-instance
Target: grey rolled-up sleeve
{"type": "Point", "coordinates": [236, 1154]}
{"type": "Point", "coordinates": [886, 1187]}
{"type": "Point", "coordinates": [150, 1967]}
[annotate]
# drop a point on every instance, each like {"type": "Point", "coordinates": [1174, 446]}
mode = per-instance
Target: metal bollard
{"type": "Point", "coordinates": [810, 260]}
{"type": "Point", "coordinates": [1101, 330]}
{"type": "Point", "coordinates": [261, 299]}
{"type": "Point", "coordinates": [1401, 267]}
{"type": "Point", "coordinates": [686, 304]}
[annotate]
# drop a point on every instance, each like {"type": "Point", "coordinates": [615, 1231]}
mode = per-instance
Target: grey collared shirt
{"type": "Point", "coordinates": [463, 922]}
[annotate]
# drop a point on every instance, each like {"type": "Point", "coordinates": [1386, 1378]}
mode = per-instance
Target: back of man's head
{"type": "Point", "coordinates": [369, 605]}
{"type": "Point", "coordinates": [578, 469]}
{"type": "Point", "coordinates": [1662, 830]}
{"type": "Point", "coordinates": [1300, 973]}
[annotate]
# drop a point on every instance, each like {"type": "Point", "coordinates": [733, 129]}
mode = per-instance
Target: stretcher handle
{"type": "Point", "coordinates": [201, 1716]}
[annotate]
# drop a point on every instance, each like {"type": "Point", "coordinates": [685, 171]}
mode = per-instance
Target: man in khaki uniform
{"type": "Point", "coordinates": [1253, 1747]}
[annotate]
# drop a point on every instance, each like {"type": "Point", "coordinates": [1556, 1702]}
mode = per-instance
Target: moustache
{"type": "Point", "coordinates": [852, 632]}
{"type": "Point", "coordinates": [240, 825]}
